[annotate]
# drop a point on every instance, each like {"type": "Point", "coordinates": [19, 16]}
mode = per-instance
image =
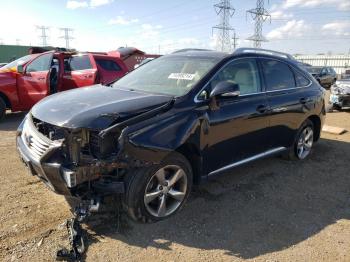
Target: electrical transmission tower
{"type": "Point", "coordinates": [225, 10]}
{"type": "Point", "coordinates": [234, 39]}
{"type": "Point", "coordinates": [260, 15]}
{"type": "Point", "coordinates": [43, 35]}
{"type": "Point", "coordinates": [67, 37]}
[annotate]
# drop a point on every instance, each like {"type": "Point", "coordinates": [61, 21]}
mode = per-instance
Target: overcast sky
{"type": "Point", "coordinates": [297, 26]}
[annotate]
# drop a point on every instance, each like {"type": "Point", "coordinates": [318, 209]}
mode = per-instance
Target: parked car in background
{"type": "Point", "coordinates": [29, 79]}
{"type": "Point", "coordinates": [325, 75]}
{"type": "Point", "coordinates": [2, 64]}
{"type": "Point", "coordinates": [179, 120]}
{"type": "Point", "coordinates": [340, 93]}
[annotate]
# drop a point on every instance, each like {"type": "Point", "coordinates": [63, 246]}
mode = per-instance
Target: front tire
{"type": "Point", "coordinates": [2, 108]}
{"type": "Point", "coordinates": [303, 142]}
{"type": "Point", "coordinates": [156, 193]}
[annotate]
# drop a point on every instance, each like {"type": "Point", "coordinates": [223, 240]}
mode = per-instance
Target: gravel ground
{"type": "Point", "coordinates": [270, 210]}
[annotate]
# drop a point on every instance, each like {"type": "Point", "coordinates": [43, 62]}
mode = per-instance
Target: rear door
{"type": "Point", "coordinates": [33, 84]}
{"type": "Point", "coordinates": [79, 71]}
{"type": "Point", "coordinates": [289, 99]}
{"type": "Point", "coordinates": [109, 68]}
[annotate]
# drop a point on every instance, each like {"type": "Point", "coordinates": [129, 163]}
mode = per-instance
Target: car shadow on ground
{"type": "Point", "coordinates": [263, 207]}
{"type": "Point", "coordinates": [11, 121]}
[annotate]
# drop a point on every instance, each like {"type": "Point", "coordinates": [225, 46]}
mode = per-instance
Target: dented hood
{"type": "Point", "coordinates": [95, 107]}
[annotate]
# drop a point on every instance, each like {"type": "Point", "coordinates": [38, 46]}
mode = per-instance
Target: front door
{"type": "Point", "coordinates": [238, 126]}
{"type": "Point", "coordinates": [33, 84]}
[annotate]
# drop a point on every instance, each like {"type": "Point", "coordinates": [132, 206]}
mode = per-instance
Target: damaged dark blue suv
{"type": "Point", "coordinates": [177, 120]}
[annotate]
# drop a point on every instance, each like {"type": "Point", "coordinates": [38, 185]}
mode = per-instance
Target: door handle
{"type": "Point", "coordinates": [41, 78]}
{"type": "Point", "coordinates": [262, 109]}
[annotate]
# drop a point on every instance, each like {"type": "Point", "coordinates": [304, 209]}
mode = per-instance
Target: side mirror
{"type": "Point", "coordinates": [225, 88]}
{"type": "Point", "coordinates": [20, 69]}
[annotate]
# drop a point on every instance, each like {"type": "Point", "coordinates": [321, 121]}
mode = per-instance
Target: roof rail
{"type": "Point", "coordinates": [263, 51]}
{"type": "Point", "coordinates": [190, 49]}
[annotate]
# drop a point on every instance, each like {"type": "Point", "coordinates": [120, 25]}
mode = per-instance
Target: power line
{"type": "Point", "coordinates": [43, 35]}
{"type": "Point", "coordinates": [67, 37]}
{"type": "Point", "coordinates": [260, 15]}
{"type": "Point", "coordinates": [225, 10]}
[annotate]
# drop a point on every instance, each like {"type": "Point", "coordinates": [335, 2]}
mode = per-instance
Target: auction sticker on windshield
{"type": "Point", "coordinates": [181, 76]}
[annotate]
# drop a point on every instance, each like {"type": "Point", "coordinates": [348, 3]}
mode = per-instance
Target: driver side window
{"type": "Point", "coordinates": [243, 72]}
{"type": "Point", "coordinates": [41, 63]}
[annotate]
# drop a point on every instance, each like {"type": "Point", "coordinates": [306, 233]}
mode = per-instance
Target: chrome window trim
{"type": "Point", "coordinates": [247, 160]}
{"type": "Point", "coordinates": [257, 93]}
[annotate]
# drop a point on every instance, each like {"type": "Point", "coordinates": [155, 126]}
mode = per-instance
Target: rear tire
{"type": "Point", "coordinates": [2, 108]}
{"type": "Point", "coordinates": [303, 142]}
{"type": "Point", "coordinates": [158, 192]}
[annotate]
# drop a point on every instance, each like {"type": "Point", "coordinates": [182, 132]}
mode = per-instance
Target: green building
{"type": "Point", "coordinates": [9, 53]}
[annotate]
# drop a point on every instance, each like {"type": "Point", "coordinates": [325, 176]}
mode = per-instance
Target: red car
{"type": "Point", "coordinates": [27, 80]}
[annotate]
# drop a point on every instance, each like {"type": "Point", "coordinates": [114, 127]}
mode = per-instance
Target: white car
{"type": "Point", "coordinates": [340, 93]}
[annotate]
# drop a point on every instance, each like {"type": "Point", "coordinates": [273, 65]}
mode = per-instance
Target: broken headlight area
{"type": "Point", "coordinates": [71, 161]}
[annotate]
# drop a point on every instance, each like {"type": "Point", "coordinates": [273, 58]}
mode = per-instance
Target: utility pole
{"type": "Point", "coordinates": [67, 37]}
{"type": "Point", "coordinates": [260, 15]}
{"type": "Point", "coordinates": [225, 10]}
{"type": "Point", "coordinates": [234, 38]}
{"type": "Point", "coordinates": [43, 35]}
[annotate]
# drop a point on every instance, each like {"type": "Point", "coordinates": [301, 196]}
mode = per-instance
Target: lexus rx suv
{"type": "Point", "coordinates": [173, 122]}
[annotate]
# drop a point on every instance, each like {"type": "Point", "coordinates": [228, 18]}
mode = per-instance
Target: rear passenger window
{"type": "Point", "coordinates": [108, 65]}
{"type": "Point", "coordinates": [301, 80]}
{"type": "Point", "coordinates": [278, 75]}
{"type": "Point", "coordinates": [75, 63]}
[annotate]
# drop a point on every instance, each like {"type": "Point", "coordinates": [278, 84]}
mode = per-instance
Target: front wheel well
{"type": "Point", "coordinates": [6, 100]}
{"type": "Point", "coordinates": [191, 153]}
{"type": "Point", "coordinates": [317, 126]}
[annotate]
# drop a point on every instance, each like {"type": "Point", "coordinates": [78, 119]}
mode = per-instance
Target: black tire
{"type": "Point", "coordinates": [137, 181]}
{"type": "Point", "coordinates": [2, 108]}
{"type": "Point", "coordinates": [336, 107]}
{"type": "Point", "coordinates": [293, 152]}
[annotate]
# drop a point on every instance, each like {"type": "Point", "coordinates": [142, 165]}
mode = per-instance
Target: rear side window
{"type": "Point", "coordinates": [301, 80]}
{"type": "Point", "coordinates": [278, 75]}
{"type": "Point", "coordinates": [108, 65]}
{"type": "Point", "coordinates": [75, 63]}
{"type": "Point", "coordinates": [41, 63]}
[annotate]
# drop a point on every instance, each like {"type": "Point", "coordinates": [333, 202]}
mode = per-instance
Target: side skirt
{"type": "Point", "coordinates": [247, 160]}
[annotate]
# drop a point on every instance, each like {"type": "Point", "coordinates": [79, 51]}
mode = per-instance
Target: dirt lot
{"type": "Point", "coordinates": [271, 210]}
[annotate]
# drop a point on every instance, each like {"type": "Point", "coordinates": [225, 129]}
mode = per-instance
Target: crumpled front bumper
{"type": "Point", "coordinates": [43, 158]}
{"type": "Point", "coordinates": [51, 173]}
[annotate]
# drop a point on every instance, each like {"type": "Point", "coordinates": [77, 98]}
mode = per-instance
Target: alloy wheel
{"type": "Point", "coordinates": [305, 142]}
{"type": "Point", "coordinates": [165, 191]}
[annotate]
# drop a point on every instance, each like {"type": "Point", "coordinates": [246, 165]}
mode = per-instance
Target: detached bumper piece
{"type": "Point", "coordinates": [75, 231]}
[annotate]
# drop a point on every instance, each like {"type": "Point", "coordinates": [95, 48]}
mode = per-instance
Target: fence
{"type": "Point", "coordinates": [339, 62]}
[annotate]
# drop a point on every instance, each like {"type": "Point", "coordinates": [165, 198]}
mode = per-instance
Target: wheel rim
{"type": "Point", "coordinates": [165, 191]}
{"type": "Point", "coordinates": [305, 142]}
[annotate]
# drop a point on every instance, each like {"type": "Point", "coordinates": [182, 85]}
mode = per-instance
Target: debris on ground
{"type": "Point", "coordinates": [333, 130]}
